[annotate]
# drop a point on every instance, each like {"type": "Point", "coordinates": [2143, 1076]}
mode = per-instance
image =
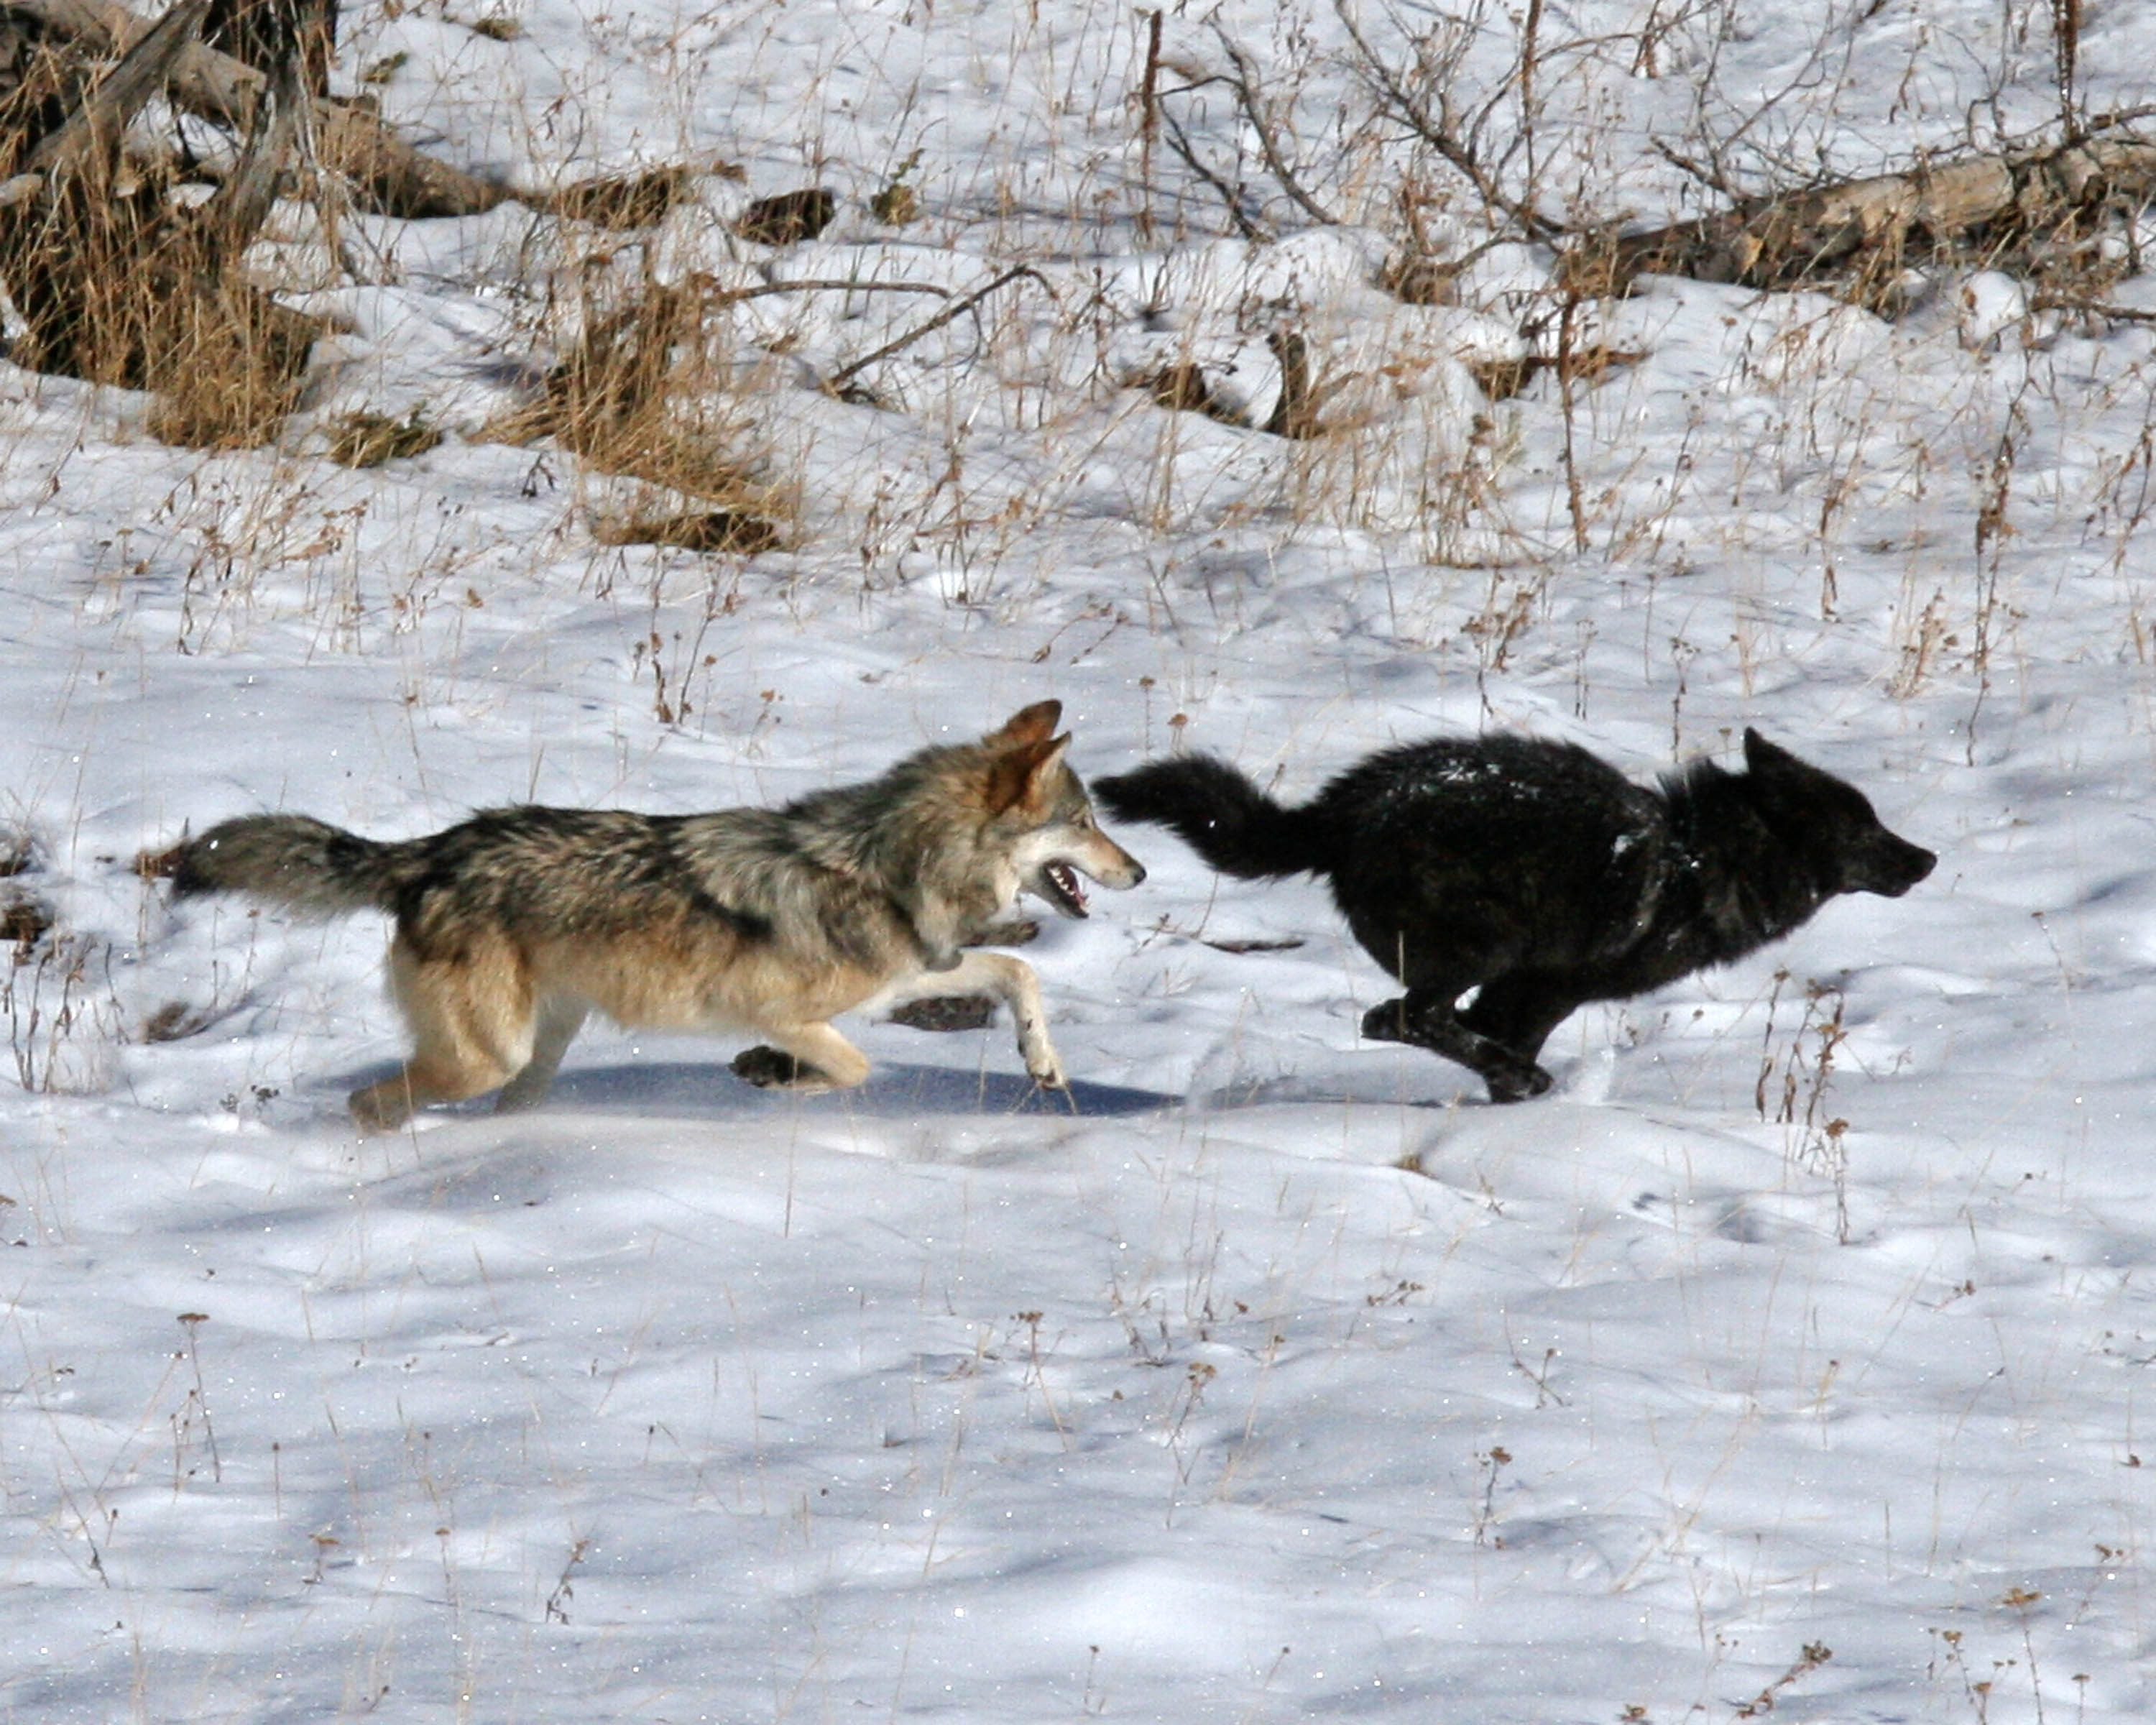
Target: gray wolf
{"type": "Point", "coordinates": [1536, 874]}
{"type": "Point", "coordinates": [514, 925]}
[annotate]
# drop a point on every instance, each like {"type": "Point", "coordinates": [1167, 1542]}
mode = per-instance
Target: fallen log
{"type": "Point", "coordinates": [387, 175]}
{"type": "Point", "coordinates": [1882, 222]}
{"type": "Point", "coordinates": [115, 283]}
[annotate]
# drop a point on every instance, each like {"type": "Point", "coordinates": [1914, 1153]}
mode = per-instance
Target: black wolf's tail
{"type": "Point", "coordinates": [1223, 816]}
{"type": "Point", "coordinates": [304, 865]}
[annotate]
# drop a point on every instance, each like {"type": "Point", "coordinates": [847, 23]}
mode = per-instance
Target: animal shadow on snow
{"type": "Point", "coordinates": [698, 1090]}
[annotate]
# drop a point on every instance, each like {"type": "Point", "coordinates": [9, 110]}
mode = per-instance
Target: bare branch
{"type": "Point", "coordinates": [1244, 83]}
{"type": "Point", "coordinates": [1408, 108]}
{"type": "Point", "coordinates": [955, 309]}
{"type": "Point", "coordinates": [1180, 143]}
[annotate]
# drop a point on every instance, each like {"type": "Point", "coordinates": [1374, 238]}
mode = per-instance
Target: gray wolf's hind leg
{"type": "Point", "coordinates": [427, 1077]}
{"type": "Point", "coordinates": [807, 1058]}
{"type": "Point", "coordinates": [769, 1068]}
{"type": "Point", "coordinates": [559, 1021]}
{"type": "Point", "coordinates": [1423, 1017]}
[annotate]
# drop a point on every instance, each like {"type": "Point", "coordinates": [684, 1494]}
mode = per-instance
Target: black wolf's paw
{"type": "Point", "coordinates": [774, 1069]}
{"type": "Point", "coordinates": [947, 1012]}
{"type": "Point", "coordinates": [1517, 1084]}
{"type": "Point", "coordinates": [1386, 1022]}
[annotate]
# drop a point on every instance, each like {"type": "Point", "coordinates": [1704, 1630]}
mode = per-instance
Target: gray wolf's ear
{"type": "Point", "coordinates": [1029, 725]}
{"type": "Point", "coordinates": [1027, 776]}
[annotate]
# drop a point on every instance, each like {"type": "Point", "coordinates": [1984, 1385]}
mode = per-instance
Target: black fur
{"type": "Point", "coordinates": [1537, 874]}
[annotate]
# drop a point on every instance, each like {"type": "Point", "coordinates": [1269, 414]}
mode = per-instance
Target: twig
{"type": "Point", "coordinates": [1244, 83]}
{"type": "Point", "coordinates": [1148, 120]}
{"type": "Point", "coordinates": [956, 309]}
{"type": "Point", "coordinates": [1707, 173]}
{"type": "Point", "coordinates": [806, 284]}
{"type": "Point", "coordinates": [1244, 224]}
{"type": "Point", "coordinates": [1408, 108]}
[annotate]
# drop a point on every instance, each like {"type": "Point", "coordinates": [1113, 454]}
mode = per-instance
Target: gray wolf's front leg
{"type": "Point", "coordinates": [1009, 980]}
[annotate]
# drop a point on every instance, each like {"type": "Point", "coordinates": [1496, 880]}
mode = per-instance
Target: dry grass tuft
{"type": "Point", "coordinates": [1416, 278]}
{"type": "Point", "coordinates": [175, 1020]}
{"type": "Point", "coordinates": [1500, 379]}
{"type": "Point", "coordinates": [364, 439]}
{"type": "Point", "coordinates": [649, 393]}
{"type": "Point", "coordinates": [23, 922]}
{"type": "Point", "coordinates": [114, 291]}
{"type": "Point", "coordinates": [790, 217]}
{"type": "Point", "coordinates": [714, 530]}
{"type": "Point", "coordinates": [635, 200]}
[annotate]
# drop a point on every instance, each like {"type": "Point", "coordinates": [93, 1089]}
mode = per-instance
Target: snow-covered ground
{"type": "Point", "coordinates": [1787, 1356]}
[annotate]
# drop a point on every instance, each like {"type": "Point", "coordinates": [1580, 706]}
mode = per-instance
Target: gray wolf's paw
{"type": "Point", "coordinates": [774, 1069]}
{"type": "Point", "coordinates": [1014, 931]}
{"type": "Point", "coordinates": [1046, 1070]}
{"type": "Point", "coordinates": [947, 1012]}
{"type": "Point", "coordinates": [381, 1107]}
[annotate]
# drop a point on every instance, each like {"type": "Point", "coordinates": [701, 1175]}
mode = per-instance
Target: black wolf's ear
{"type": "Point", "coordinates": [1026, 775]}
{"type": "Point", "coordinates": [1029, 725]}
{"type": "Point", "coordinates": [1763, 756]}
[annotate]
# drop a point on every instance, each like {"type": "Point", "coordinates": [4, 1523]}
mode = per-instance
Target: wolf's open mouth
{"type": "Point", "coordinates": [1063, 891]}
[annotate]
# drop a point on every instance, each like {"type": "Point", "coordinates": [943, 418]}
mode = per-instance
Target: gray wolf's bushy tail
{"type": "Point", "coordinates": [1222, 815]}
{"type": "Point", "coordinates": [304, 865]}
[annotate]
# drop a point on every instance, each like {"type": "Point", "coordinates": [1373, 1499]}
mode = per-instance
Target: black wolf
{"type": "Point", "coordinates": [1536, 874]}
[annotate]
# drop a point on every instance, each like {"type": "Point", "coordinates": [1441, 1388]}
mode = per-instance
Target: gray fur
{"type": "Point", "coordinates": [512, 924]}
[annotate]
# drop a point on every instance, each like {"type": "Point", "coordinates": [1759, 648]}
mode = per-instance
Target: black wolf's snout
{"type": "Point", "coordinates": [1891, 866]}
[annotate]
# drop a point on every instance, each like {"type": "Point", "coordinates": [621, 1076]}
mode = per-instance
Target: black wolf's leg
{"type": "Point", "coordinates": [1423, 1017]}
{"type": "Point", "coordinates": [1519, 1011]}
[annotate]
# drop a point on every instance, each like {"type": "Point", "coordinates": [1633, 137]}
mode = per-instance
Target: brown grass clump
{"type": "Point", "coordinates": [642, 199]}
{"type": "Point", "coordinates": [711, 529]}
{"type": "Point", "coordinates": [790, 217]}
{"type": "Point", "coordinates": [364, 439]}
{"type": "Point", "coordinates": [1418, 279]}
{"type": "Point", "coordinates": [649, 394]}
{"type": "Point", "coordinates": [1503, 378]}
{"type": "Point", "coordinates": [23, 921]}
{"type": "Point", "coordinates": [115, 290]}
